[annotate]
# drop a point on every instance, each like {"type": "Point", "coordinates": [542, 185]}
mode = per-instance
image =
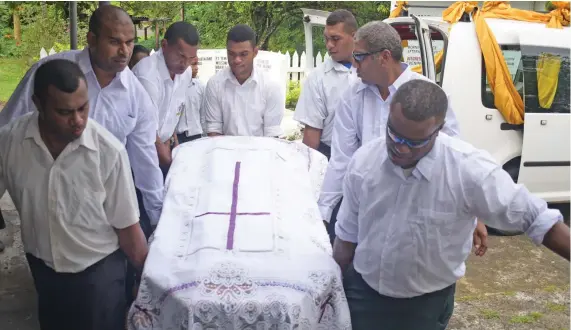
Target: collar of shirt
{"type": "Point", "coordinates": [330, 64]}
{"type": "Point", "coordinates": [231, 78]}
{"type": "Point", "coordinates": [33, 132]}
{"type": "Point", "coordinates": [404, 77]}
{"type": "Point", "coordinates": [84, 62]}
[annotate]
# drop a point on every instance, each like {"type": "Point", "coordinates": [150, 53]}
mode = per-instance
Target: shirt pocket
{"type": "Point", "coordinates": [438, 222]}
{"type": "Point", "coordinates": [89, 212]}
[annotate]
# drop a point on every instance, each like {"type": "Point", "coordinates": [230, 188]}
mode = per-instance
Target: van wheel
{"type": "Point", "coordinates": [512, 167]}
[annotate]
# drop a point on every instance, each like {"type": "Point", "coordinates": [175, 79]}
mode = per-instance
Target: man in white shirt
{"type": "Point", "coordinates": [166, 77]}
{"type": "Point", "coordinates": [364, 109]}
{"type": "Point", "coordinates": [325, 85]}
{"type": "Point", "coordinates": [405, 226]}
{"type": "Point", "coordinates": [71, 182]}
{"type": "Point", "coordinates": [191, 123]}
{"type": "Point", "coordinates": [241, 100]}
{"type": "Point", "coordinates": [118, 101]}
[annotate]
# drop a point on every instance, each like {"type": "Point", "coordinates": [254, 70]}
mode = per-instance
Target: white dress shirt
{"type": "Point", "coordinates": [362, 116]}
{"type": "Point", "coordinates": [69, 206]}
{"type": "Point", "coordinates": [191, 121]}
{"type": "Point", "coordinates": [169, 96]}
{"type": "Point", "coordinates": [255, 108]}
{"type": "Point", "coordinates": [320, 96]}
{"type": "Point", "coordinates": [414, 233]}
{"type": "Point", "coordinates": [123, 107]}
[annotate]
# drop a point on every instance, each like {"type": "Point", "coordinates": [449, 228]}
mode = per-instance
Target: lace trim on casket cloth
{"type": "Point", "coordinates": [233, 303]}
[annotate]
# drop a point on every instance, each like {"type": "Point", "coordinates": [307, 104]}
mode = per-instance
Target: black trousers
{"type": "Point", "coordinates": [182, 138]}
{"type": "Point", "coordinates": [332, 221]}
{"type": "Point", "coordinates": [90, 300]}
{"type": "Point", "coordinates": [324, 149]}
{"type": "Point", "coordinates": [373, 311]}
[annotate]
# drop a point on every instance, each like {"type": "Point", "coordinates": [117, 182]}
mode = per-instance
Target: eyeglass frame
{"type": "Point", "coordinates": [360, 57]}
{"type": "Point", "coordinates": [408, 142]}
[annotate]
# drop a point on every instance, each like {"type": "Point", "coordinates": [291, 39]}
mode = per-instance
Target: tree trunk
{"type": "Point", "coordinates": [17, 24]}
{"type": "Point", "coordinates": [44, 9]}
{"type": "Point", "coordinates": [182, 10]}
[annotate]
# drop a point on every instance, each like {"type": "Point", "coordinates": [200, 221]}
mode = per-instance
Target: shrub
{"type": "Point", "coordinates": [293, 91]}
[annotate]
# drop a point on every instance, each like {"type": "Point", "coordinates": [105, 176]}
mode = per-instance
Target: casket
{"type": "Point", "coordinates": [240, 243]}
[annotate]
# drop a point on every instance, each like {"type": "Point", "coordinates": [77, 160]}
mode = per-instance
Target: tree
{"type": "Point", "coordinates": [15, 7]}
{"type": "Point", "coordinates": [267, 18]}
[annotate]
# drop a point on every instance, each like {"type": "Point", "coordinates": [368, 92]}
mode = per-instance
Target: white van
{"type": "Point", "coordinates": [537, 153]}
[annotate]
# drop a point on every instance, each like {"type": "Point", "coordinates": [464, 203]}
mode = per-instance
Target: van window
{"type": "Point", "coordinates": [512, 55]}
{"type": "Point", "coordinates": [546, 79]}
{"type": "Point", "coordinates": [523, 67]}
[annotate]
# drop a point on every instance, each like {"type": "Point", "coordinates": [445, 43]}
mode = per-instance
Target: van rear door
{"type": "Point", "coordinates": [417, 44]}
{"type": "Point", "coordinates": [425, 45]}
{"type": "Point", "coordinates": [545, 158]}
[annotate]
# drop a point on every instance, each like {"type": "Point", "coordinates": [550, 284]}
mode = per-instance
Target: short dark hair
{"type": "Point", "coordinates": [101, 14]}
{"type": "Point", "coordinates": [342, 16]}
{"type": "Point", "coordinates": [140, 49]}
{"type": "Point", "coordinates": [182, 30]}
{"type": "Point", "coordinates": [241, 33]}
{"type": "Point", "coordinates": [421, 100]}
{"type": "Point", "coordinates": [62, 74]}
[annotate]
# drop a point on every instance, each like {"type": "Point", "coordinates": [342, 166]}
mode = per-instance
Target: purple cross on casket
{"type": "Point", "coordinates": [233, 209]}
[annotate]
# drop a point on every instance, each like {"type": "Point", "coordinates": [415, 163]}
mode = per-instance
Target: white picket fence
{"type": "Point", "coordinates": [297, 70]}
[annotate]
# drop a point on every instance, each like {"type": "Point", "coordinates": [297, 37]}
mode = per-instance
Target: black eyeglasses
{"type": "Point", "coordinates": [359, 57]}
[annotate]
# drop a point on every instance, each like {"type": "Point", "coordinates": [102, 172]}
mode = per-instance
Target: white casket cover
{"type": "Point", "coordinates": [240, 243]}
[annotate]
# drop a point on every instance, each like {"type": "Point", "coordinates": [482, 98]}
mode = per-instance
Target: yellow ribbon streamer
{"type": "Point", "coordinates": [398, 9]}
{"type": "Point", "coordinates": [548, 67]}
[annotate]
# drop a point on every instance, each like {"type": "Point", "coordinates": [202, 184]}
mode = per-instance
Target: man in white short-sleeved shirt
{"type": "Point", "coordinates": [166, 76]}
{"type": "Point", "coordinates": [191, 125]}
{"type": "Point", "coordinates": [118, 101]}
{"type": "Point", "coordinates": [326, 84]}
{"type": "Point", "coordinates": [71, 182]}
{"type": "Point", "coordinates": [405, 225]}
{"type": "Point", "coordinates": [241, 100]}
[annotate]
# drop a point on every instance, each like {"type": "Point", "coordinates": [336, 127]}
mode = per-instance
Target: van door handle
{"type": "Point", "coordinates": [511, 127]}
{"type": "Point", "coordinates": [543, 122]}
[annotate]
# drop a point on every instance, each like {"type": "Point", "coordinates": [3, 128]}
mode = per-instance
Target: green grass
{"type": "Point", "coordinates": [556, 307]}
{"type": "Point", "coordinates": [489, 314]}
{"type": "Point", "coordinates": [529, 318]}
{"type": "Point", "coordinates": [11, 71]}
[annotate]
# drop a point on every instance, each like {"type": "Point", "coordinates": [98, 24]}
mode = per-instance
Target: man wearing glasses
{"type": "Point", "coordinates": [364, 109]}
{"type": "Point", "coordinates": [407, 217]}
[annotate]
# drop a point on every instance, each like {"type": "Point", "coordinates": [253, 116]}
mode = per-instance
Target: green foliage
{"type": "Point", "coordinates": [149, 43]}
{"type": "Point", "coordinates": [43, 31]}
{"type": "Point", "coordinates": [278, 24]}
{"type": "Point", "coordinates": [292, 95]}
